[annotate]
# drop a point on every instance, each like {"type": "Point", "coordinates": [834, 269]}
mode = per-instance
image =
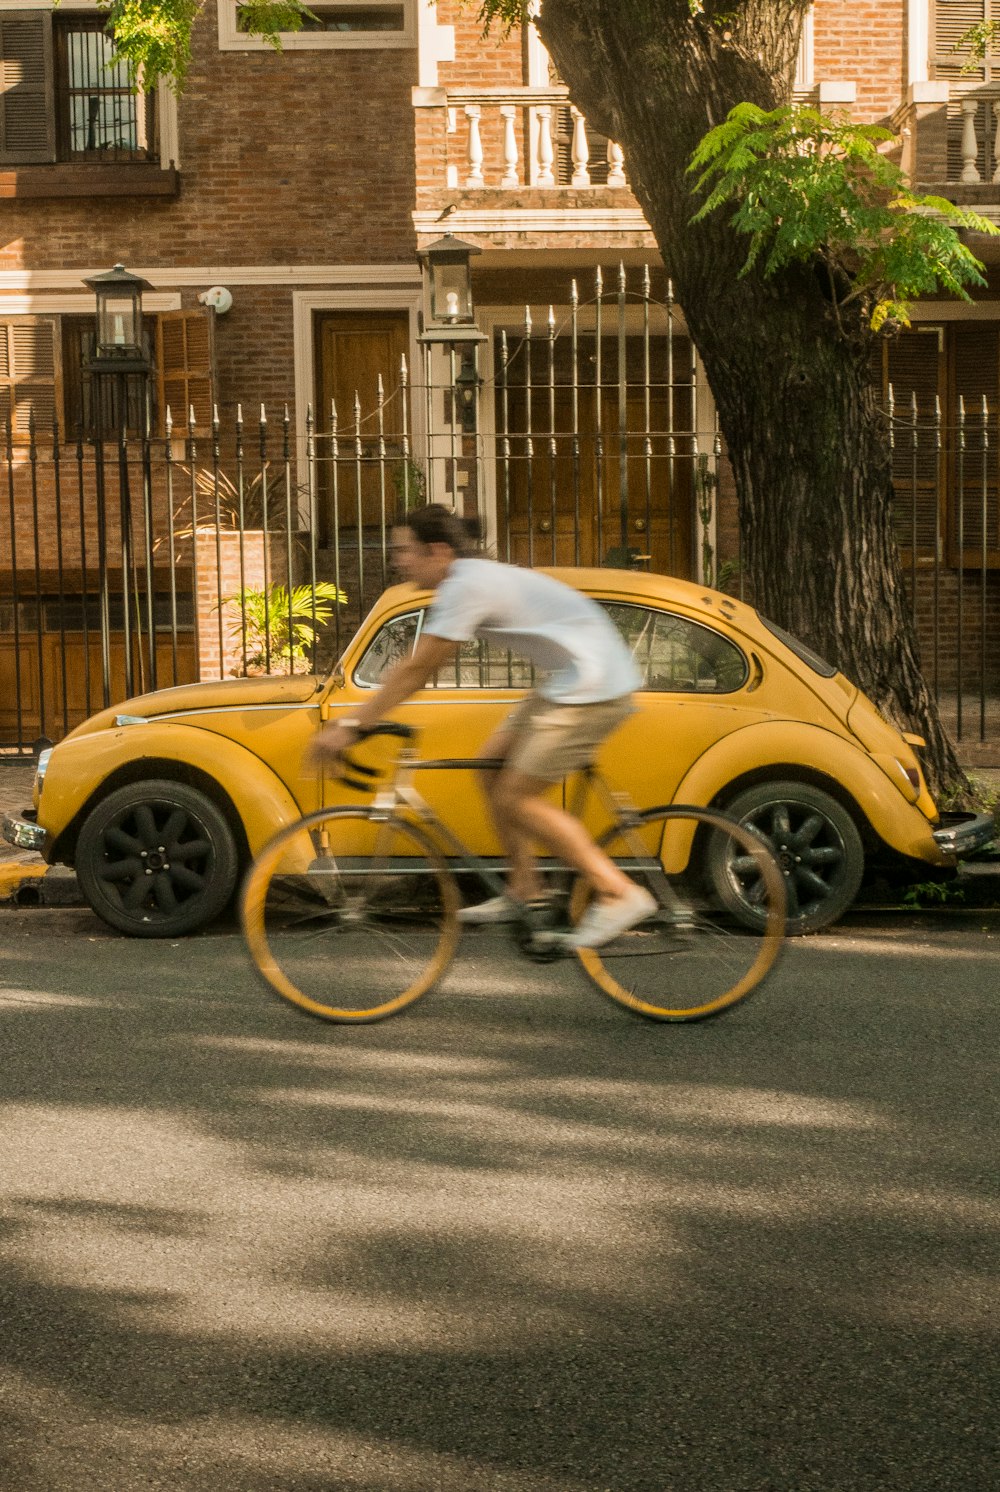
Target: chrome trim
{"type": "Point", "coordinates": [972, 832]}
{"type": "Point", "coordinates": [42, 767]}
{"type": "Point", "coordinates": [212, 710]}
{"type": "Point", "coordinates": [23, 835]}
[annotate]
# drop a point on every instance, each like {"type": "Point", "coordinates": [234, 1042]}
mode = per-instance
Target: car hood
{"type": "Point", "coordinates": [222, 694]}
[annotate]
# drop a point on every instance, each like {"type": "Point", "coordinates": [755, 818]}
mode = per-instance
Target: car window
{"type": "Point", "coordinates": [802, 652]}
{"type": "Point", "coordinates": [476, 665]}
{"type": "Point", "coordinates": [392, 642]}
{"type": "Point", "coordinates": [676, 655]}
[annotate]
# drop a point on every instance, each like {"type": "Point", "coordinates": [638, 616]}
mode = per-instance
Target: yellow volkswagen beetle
{"type": "Point", "coordinates": [161, 802]}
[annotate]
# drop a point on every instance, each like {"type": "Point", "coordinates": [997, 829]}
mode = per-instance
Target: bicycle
{"type": "Point", "coordinates": [351, 912]}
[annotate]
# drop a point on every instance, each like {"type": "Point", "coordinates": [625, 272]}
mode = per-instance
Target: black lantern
{"type": "Point", "coordinates": [119, 347]}
{"type": "Point", "coordinates": [450, 277]}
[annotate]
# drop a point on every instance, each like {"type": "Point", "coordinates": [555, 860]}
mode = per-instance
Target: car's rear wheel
{"type": "Point", "coordinates": [157, 859]}
{"type": "Point", "coordinates": [815, 841]}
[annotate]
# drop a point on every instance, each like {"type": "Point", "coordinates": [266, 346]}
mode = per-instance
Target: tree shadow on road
{"type": "Point", "coordinates": [512, 1240]}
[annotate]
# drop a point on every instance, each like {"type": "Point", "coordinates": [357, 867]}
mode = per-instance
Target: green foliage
{"type": "Point", "coordinates": [282, 625]}
{"type": "Point", "coordinates": [153, 37]}
{"type": "Point", "coordinates": [410, 485]}
{"type": "Point", "coordinates": [977, 41]}
{"type": "Point", "coordinates": [810, 189]}
{"type": "Point", "coordinates": [932, 894]}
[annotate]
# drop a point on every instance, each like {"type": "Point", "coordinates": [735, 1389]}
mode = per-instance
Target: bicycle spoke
{"type": "Point", "coordinates": [692, 959]}
{"type": "Point", "coordinates": [349, 917]}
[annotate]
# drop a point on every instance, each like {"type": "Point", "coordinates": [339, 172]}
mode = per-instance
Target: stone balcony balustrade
{"type": "Point", "coordinates": [521, 158]}
{"type": "Point", "coordinates": [505, 138]}
{"type": "Point", "coordinates": [951, 141]}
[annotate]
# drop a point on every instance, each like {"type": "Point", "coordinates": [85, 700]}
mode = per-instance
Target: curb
{"type": "Point", "coordinates": [32, 883]}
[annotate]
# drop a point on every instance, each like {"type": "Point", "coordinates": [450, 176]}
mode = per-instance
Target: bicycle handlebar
{"type": "Point", "coordinates": [383, 728]}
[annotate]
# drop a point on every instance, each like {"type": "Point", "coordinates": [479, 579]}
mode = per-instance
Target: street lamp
{"type": "Point", "coordinates": [449, 274]}
{"type": "Point", "coordinates": [119, 347]}
{"type": "Point", "coordinates": [119, 355]}
{"type": "Point", "coordinates": [452, 320]}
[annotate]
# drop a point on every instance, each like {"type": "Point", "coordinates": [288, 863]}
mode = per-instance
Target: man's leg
{"type": "Point", "coordinates": [523, 883]}
{"type": "Point", "coordinates": [522, 813]}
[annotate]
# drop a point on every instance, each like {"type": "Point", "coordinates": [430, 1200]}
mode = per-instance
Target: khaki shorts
{"type": "Point", "coordinates": [550, 740]}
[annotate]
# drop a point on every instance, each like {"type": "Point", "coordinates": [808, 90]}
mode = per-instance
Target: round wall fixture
{"type": "Point", "coordinates": [218, 297]}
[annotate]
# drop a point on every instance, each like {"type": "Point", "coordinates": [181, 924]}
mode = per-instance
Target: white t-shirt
{"type": "Point", "coordinates": [566, 636]}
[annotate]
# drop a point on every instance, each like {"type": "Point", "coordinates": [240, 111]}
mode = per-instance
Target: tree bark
{"type": "Point", "coordinates": [791, 379]}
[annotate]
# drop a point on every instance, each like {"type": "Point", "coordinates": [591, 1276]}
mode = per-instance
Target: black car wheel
{"type": "Point", "coordinates": [817, 845]}
{"type": "Point", "coordinates": [157, 859]}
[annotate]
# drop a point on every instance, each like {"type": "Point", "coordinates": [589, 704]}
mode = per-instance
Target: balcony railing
{"type": "Point", "coordinates": [951, 136]}
{"type": "Point", "coordinates": [505, 138]}
{"type": "Point", "coordinates": [974, 139]}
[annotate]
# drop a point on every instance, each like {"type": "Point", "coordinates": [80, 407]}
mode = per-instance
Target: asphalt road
{"type": "Point", "coordinates": [512, 1241]}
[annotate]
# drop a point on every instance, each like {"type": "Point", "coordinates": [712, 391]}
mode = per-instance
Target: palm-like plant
{"type": "Point", "coordinates": [277, 627]}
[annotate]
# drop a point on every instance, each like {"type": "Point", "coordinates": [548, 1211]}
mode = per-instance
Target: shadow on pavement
{"type": "Point", "coordinates": [512, 1240]}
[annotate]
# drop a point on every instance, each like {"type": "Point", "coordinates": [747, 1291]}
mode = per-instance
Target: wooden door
{"type": "Point", "coordinates": [582, 463]}
{"type": "Point", "coordinates": [357, 488]}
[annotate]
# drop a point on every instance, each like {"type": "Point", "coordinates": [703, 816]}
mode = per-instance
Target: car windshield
{"type": "Point", "coordinates": [805, 655]}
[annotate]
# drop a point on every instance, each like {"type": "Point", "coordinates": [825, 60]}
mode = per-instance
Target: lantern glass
{"type": "Point", "coordinates": [451, 292]}
{"type": "Point", "coordinates": [119, 323]}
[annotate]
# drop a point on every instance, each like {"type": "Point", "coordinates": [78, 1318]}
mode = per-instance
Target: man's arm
{"type": "Point", "coordinates": [402, 680]}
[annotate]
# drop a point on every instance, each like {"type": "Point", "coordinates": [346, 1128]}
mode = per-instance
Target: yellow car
{"type": "Point", "coordinates": [161, 802]}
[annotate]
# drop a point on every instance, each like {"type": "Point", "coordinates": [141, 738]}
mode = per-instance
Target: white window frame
{"type": "Point", "coordinates": [805, 66]}
{"type": "Point", "coordinates": [232, 39]}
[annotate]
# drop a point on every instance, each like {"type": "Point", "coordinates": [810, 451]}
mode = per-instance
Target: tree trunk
{"type": "Point", "coordinates": [790, 378]}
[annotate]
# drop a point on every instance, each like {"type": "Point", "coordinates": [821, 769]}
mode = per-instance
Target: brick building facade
{"type": "Point", "coordinates": [308, 183]}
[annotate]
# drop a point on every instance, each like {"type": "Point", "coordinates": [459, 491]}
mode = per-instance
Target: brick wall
{"type": "Point", "coordinates": [864, 42]}
{"type": "Point", "coordinates": [303, 157]}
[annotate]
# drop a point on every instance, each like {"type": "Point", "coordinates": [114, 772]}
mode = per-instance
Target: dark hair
{"type": "Point", "coordinates": [436, 524]}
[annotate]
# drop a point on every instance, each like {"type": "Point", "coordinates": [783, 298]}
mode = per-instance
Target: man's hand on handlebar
{"type": "Point", "coordinates": [330, 743]}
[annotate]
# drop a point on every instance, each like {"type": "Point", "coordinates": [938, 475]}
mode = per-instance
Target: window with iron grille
{"type": "Point", "coordinates": [98, 117]}
{"type": "Point", "coordinates": [44, 377]}
{"type": "Point", "coordinates": [60, 100]}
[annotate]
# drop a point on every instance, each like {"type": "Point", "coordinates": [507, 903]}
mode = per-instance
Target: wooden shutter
{"type": "Point", "coordinates": [975, 478]}
{"type": "Point", "coordinates": [186, 362]}
{"type": "Point", "coordinates": [914, 365]}
{"type": "Point", "coordinates": [950, 20]}
{"type": "Point", "coordinates": [27, 108]}
{"type": "Point", "coordinates": [29, 376]}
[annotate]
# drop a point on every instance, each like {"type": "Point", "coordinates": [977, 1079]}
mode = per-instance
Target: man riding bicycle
{"type": "Point", "coordinates": [587, 677]}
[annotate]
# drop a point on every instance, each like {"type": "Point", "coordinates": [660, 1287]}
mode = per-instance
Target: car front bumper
{"type": "Point", "coordinates": [24, 835]}
{"type": "Point", "coordinates": [962, 834]}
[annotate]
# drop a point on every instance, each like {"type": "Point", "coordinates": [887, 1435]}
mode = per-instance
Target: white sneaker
{"type": "Point", "coordinates": [605, 920]}
{"type": "Point", "coordinates": [497, 909]}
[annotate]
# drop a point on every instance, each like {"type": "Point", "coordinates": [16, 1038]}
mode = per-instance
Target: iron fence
{"type": "Point", "coordinates": [256, 545]}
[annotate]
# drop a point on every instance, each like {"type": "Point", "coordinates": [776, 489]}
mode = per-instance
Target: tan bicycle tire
{"type": "Point", "coordinates": [770, 938]}
{"type": "Point", "coordinates": [252, 915]}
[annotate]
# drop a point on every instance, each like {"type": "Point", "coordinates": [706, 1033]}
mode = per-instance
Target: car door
{"type": "Point", "coordinates": [694, 691]}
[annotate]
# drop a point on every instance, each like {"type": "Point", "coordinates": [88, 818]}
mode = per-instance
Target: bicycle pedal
{"type": "Point", "coordinates": [545, 946]}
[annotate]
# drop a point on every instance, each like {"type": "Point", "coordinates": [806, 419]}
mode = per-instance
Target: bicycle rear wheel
{"type": "Point", "coordinates": [349, 917]}
{"type": "Point", "coordinates": [691, 959]}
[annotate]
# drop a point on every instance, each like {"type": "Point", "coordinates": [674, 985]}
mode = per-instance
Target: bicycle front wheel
{"type": "Point", "coordinates": [350, 917]}
{"type": "Point", "coordinates": [690, 959]}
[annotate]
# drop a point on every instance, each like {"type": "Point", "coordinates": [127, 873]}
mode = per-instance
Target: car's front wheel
{"type": "Point", "coordinates": [157, 859]}
{"type": "Point", "coordinates": [815, 841]}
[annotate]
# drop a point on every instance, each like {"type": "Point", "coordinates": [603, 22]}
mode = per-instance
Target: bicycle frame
{"type": "Point", "coordinates": [401, 791]}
